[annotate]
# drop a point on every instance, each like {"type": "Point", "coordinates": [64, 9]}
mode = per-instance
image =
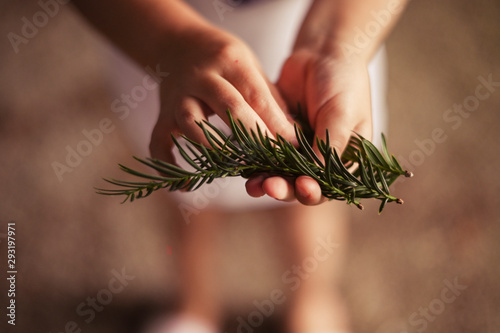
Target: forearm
{"type": "Point", "coordinates": [347, 28]}
{"type": "Point", "coordinates": [144, 29]}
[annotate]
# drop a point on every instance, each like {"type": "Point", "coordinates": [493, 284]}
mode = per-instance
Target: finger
{"type": "Point", "coordinates": [308, 191]}
{"type": "Point", "coordinates": [219, 95]}
{"type": "Point", "coordinates": [339, 123]}
{"type": "Point", "coordinates": [283, 105]}
{"type": "Point", "coordinates": [264, 99]}
{"type": "Point", "coordinates": [254, 186]}
{"type": "Point", "coordinates": [365, 129]}
{"type": "Point", "coordinates": [292, 80]}
{"type": "Point", "coordinates": [160, 146]}
{"type": "Point", "coordinates": [279, 100]}
{"type": "Point", "coordinates": [279, 188]}
{"type": "Point", "coordinates": [188, 113]}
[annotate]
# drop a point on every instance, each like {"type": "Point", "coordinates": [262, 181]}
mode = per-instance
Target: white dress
{"type": "Point", "coordinates": [269, 27]}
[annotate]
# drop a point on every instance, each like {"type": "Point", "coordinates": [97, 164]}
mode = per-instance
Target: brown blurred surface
{"type": "Point", "coordinates": [69, 239]}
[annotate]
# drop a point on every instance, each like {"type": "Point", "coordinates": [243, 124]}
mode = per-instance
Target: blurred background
{"type": "Point", "coordinates": [71, 242]}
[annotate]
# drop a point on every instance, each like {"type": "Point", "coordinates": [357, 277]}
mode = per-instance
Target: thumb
{"type": "Point", "coordinates": [333, 127]}
{"type": "Point", "coordinates": [292, 81]}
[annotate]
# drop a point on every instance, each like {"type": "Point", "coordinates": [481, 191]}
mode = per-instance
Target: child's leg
{"type": "Point", "coordinates": [200, 296]}
{"type": "Point", "coordinates": [200, 303]}
{"type": "Point", "coordinates": [317, 239]}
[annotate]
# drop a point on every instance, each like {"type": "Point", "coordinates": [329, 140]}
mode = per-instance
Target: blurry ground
{"type": "Point", "coordinates": [69, 240]}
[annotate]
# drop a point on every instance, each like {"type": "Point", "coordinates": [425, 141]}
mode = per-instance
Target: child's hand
{"type": "Point", "coordinates": [334, 95]}
{"type": "Point", "coordinates": [212, 71]}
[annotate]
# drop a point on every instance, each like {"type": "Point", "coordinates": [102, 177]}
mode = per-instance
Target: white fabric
{"type": "Point", "coordinates": [269, 27]}
{"type": "Point", "coordinates": [180, 324]}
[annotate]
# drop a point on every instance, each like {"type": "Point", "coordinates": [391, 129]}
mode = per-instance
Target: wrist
{"type": "Point", "coordinates": [348, 28]}
{"type": "Point", "coordinates": [340, 47]}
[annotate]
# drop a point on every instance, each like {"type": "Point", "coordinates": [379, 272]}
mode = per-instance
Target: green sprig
{"type": "Point", "coordinates": [247, 153]}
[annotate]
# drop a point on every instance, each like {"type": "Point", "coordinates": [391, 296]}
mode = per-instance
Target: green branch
{"type": "Point", "coordinates": [247, 153]}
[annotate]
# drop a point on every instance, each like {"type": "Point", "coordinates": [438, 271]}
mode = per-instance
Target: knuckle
{"type": "Point", "coordinates": [258, 102]}
{"type": "Point", "coordinates": [338, 143]}
{"type": "Point", "coordinates": [184, 116]}
{"type": "Point", "coordinates": [230, 50]}
{"type": "Point", "coordinates": [286, 129]}
{"type": "Point", "coordinates": [235, 105]}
